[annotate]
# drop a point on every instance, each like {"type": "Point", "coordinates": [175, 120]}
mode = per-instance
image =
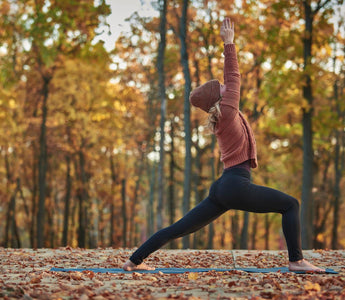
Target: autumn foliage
{"type": "Point", "coordinates": [80, 124]}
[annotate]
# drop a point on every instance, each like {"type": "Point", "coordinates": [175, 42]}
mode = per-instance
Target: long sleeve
{"type": "Point", "coordinates": [232, 77]}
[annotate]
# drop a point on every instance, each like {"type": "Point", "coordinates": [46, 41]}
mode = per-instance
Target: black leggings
{"type": "Point", "coordinates": [233, 190]}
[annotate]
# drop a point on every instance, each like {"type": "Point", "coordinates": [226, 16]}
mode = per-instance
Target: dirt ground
{"type": "Point", "coordinates": [25, 274]}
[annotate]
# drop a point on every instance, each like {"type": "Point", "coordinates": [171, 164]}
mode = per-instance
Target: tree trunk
{"type": "Point", "coordinates": [33, 240]}
{"type": "Point", "coordinates": [102, 227]}
{"type": "Point", "coordinates": [162, 96]}
{"type": "Point", "coordinates": [338, 169]}
{"type": "Point", "coordinates": [81, 223]}
{"type": "Point", "coordinates": [307, 180]}
{"type": "Point", "coordinates": [213, 177]}
{"type": "Point", "coordinates": [171, 190]}
{"type": "Point", "coordinates": [10, 203]}
{"type": "Point", "coordinates": [112, 204]}
{"type": "Point", "coordinates": [15, 241]}
{"type": "Point", "coordinates": [187, 129]}
{"type": "Point", "coordinates": [83, 202]}
{"type": "Point", "coordinates": [124, 213]}
{"type": "Point", "coordinates": [74, 216]}
{"type": "Point", "coordinates": [151, 213]}
{"type": "Point", "coordinates": [93, 224]}
{"type": "Point", "coordinates": [212, 158]}
{"type": "Point", "coordinates": [133, 228]}
{"type": "Point", "coordinates": [49, 242]}
{"type": "Point", "coordinates": [322, 209]}
{"type": "Point", "coordinates": [339, 159]}
{"type": "Point", "coordinates": [15, 238]}
{"type": "Point", "coordinates": [198, 240]}
{"type": "Point", "coordinates": [267, 232]}
{"type": "Point", "coordinates": [42, 166]}
{"type": "Point", "coordinates": [11, 229]}
{"type": "Point", "coordinates": [235, 231]}
{"type": "Point", "coordinates": [244, 231]}
{"type": "Point", "coordinates": [222, 233]}
{"type": "Point", "coordinates": [68, 186]}
{"type": "Point", "coordinates": [254, 231]}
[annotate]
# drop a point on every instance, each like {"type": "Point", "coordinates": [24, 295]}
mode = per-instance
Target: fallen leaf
{"type": "Point", "coordinates": [152, 278]}
{"type": "Point", "coordinates": [310, 286]}
{"type": "Point", "coordinates": [193, 276]}
{"type": "Point", "coordinates": [36, 279]}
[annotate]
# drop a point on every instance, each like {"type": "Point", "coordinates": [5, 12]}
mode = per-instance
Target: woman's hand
{"type": "Point", "coordinates": [227, 31]}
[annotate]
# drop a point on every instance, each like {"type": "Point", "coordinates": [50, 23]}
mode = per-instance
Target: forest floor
{"type": "Point", "coordinates": [25, 274]}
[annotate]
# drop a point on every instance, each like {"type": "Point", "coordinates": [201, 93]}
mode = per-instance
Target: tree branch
{"type": "Point", "coordinates": [319, 6]}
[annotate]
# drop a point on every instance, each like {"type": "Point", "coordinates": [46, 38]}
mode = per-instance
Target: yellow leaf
{"type": "Point", "coordinates": [152, 278]}
{"type": "Point", "coordinates": [310, 286]}
{"type": "Point", "coordinates": [193, 276]}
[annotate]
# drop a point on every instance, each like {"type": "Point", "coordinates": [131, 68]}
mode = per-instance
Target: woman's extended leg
{"type": "Point", "coordinates": [201, 215]}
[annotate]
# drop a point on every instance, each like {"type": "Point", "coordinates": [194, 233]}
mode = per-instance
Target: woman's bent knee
{"type": "Point", "coordinates": [294, 204]}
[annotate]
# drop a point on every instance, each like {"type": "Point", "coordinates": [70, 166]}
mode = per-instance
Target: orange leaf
{"type": "Point", "coordinates": [193, 276]}
{"type": "Point", "coordinates": [310, 286]}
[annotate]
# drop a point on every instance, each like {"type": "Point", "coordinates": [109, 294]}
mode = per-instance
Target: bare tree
{"type": "Point", "coordinates": [162, 96]}
{"type": "Point", "coordinates": [308, 153]}
{"type": "Point", "coordinates": [187, 127]}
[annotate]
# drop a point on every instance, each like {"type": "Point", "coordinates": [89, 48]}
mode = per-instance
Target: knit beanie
{"type": "Point", "coordinates": [206, 95]}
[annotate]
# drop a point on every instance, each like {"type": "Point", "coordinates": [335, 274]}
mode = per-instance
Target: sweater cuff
{"type": "Point", "coordinates": [228, 48]}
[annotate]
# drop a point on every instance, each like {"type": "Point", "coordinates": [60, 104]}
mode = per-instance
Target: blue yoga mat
{"type": "Point", "coordinates": [183, 270]}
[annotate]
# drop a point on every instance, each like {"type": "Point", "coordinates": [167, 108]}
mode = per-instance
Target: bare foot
{"type": "Point", "coordinates": [303, 265]}
{"type": "Point", "coordinates": [129, 266]}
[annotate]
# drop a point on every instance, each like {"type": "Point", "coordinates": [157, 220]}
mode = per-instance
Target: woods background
{"type": "Point", "coordinates": [101, 147]}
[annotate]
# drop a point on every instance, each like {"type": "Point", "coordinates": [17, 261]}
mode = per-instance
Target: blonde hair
{"type": "Point", "coordinates": [214, 115]}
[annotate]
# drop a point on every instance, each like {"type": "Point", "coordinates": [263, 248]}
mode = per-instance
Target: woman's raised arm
{"type": "Point", "coordinates": [232, 77]}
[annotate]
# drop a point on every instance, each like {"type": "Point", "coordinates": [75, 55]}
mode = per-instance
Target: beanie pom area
{"type": "Point", "coordinates": [206, 95]}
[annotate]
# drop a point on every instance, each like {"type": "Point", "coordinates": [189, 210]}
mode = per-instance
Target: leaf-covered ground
{"type": "Point", "coordinates": [24, 274]}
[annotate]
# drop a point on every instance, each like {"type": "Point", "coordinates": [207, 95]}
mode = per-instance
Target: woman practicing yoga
{"type": "Point", "coordinates": [233, 190]}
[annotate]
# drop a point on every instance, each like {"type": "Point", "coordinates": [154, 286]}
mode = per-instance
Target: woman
{"type": "Point", "coordinates": [233, 190]}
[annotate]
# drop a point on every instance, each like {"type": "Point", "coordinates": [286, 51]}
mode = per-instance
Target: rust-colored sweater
{"type": "Point", "coordinates": [234, 134]}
